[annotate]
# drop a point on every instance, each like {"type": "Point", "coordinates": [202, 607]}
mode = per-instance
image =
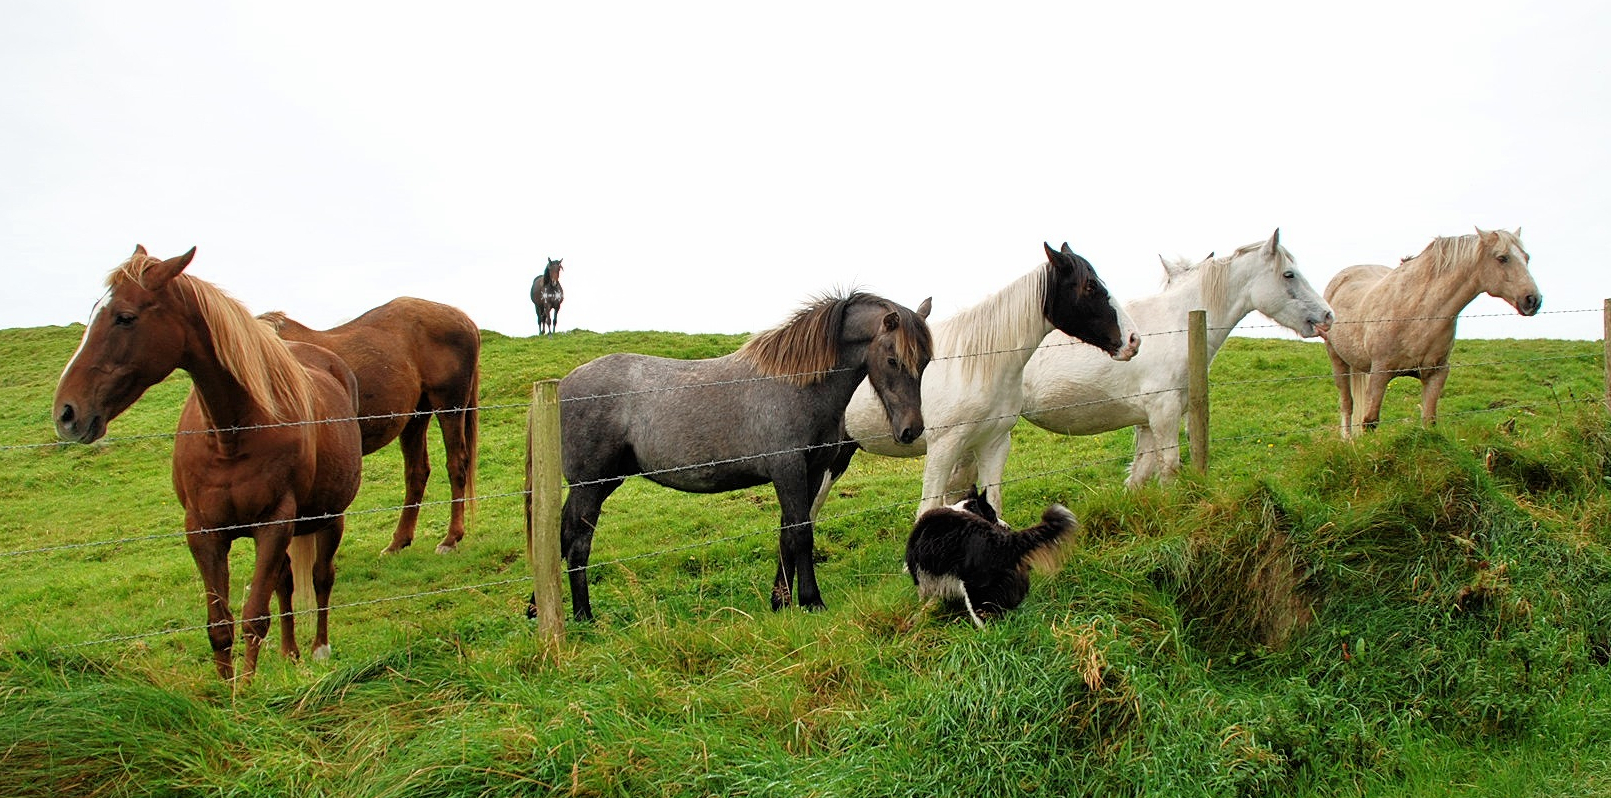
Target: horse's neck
{"type": "Point", "coordinates": [1430, 294]}
{"type": "Point", "coordinates": [225, 403]}
{"type": "Point", "coordinates": [1003, 330]}
{"type": "Point", "coordinates": [1188, 293]}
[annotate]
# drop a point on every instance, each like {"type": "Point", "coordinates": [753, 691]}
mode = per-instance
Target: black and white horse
{"type": "Point", "coordinates": [547, 295]}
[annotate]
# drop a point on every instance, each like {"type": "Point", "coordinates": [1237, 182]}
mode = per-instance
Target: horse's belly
{"type": "Point", "coordinates": [1087, 416]}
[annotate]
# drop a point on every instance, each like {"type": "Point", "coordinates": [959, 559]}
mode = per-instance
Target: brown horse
{"type": "Point", "coordinates": [267, 445]}
{"type": "Point", "coordinates": [414, 358]}
{"type": "Point", "coordinates": [1400, 322]}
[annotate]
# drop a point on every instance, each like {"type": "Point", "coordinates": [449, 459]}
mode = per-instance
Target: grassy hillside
{"type": "Point", "coordinates": [1421, 613]}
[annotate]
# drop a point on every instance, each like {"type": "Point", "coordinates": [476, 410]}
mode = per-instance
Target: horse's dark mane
{"type": "Point", "coordinates": [805, 348]}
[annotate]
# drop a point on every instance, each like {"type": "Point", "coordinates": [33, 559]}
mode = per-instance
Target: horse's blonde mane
{"type": "Point", "coordinates": [804, 349]}
{"type": "Point", "coordinates": [248, 348]}
{"type": "Point", "coordinates": [1007, 320]}
{"type": "Point", "coordinates": [1447, 253]}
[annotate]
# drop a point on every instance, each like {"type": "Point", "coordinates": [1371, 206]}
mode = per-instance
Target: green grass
{"type": "Point", "coordinates": [1419, 613]}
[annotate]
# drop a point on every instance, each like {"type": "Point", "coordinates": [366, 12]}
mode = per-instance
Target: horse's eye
{"type": "Point", "coordinates": [123, 319]}
{"type": "Point", "coordinates": [1504, 258]}
{"type": "Point", "coordinates": [1289, 275]}
{"type": "Point", "coordinates": [894, 364]}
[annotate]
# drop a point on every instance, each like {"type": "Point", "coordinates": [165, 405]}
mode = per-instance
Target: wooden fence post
{"type": "Point", "coordinates": [1197, 388]}
{"type": "Point", "coordinates": [1605, 336]}
{"type": "Point", "coordinates": [543, 504]}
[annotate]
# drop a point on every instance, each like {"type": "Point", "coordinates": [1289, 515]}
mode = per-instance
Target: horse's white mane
{"type": "Point", "coordinates": [1215, 274]}
{"type": "Point", "coordinates": [1001, 323]}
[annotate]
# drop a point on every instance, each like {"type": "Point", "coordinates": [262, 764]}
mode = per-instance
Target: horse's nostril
{"type": "Point", "coordinates": [67, 414]}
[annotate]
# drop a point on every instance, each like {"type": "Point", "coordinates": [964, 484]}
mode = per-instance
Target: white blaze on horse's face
{"type": "Point", "coordinates": [1505, 272]}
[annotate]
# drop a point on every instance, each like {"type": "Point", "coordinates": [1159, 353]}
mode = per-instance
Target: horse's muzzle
{"type": "Point", "coordinates": [910, 434]}
{"type": "Point", "coordinates": [1128, 350]}
{"type": "Point", "coordinates": [70, 427]}
{"type": "Point", "coordinates": [1530, 305]}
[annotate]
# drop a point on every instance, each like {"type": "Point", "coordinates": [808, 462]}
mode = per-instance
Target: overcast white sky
{"type": "Point", "coordinates": [706, 167]}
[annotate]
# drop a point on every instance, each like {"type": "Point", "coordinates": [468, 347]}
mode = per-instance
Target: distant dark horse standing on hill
{"type": "Point", "coordinates": [414, 359]}
{"type": "Point", "coordinates": [1400, 322]}
{"type": "Point", "coordinates": [771, 412]}
{"type": "Point", "coordinates": [547, 295]}
{"type": "Point", "coordinates": [267, 445]}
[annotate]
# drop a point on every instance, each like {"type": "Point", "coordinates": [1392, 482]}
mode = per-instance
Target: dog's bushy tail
{"type": "Point", "coordinates": [1041, 547]}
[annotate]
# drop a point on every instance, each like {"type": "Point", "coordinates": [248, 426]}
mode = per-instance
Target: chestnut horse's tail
{"type": "Point", "coordinates": [472, 433]}
{"type": "Point", "coordinates": [303, 550]}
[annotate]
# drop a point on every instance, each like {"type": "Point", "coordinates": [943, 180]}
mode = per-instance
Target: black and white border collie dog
{"type": "Point", "coordinates": [966, 553]}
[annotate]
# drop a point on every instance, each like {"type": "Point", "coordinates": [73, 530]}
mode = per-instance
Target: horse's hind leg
{"type": "Point", "coordinates": [1375, 392]}
{"type": "Point", "coordinates": [416, 472]}
{"type": "Point", "coordinates": [460, 461]}
{"type": "Point", "coordinates": [1341, 376]}
{"type": "Point", "coordinates": [578, 519]}
{"type": "Point", "coordinates": [328, 539]}
{"type": "Point", "coordinates": [1432, 381]}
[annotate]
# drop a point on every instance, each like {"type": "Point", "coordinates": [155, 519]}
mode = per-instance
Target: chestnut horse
{"type": "Point", "coordinates": [414, 358]}
{"type": "Point", "coordinates": [267, 445]}
{"type": "Point", "coordinates": [1400, 322]}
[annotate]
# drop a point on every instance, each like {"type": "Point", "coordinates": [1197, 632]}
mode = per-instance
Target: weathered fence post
{"type": "Point", "coordinates": [543, 503]}
{"type": "Point", "coordinates": [1197, 388]}
{"type": "Point", "coordinates": [1606, 338]}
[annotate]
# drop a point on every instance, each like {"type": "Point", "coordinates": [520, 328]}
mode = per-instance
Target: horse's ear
{"type": "Point", "coordinates": [924, 308]}
{"type": "Point", "coordinates": [1517, 233]}
{"type": "Point", "coordinates": [1066, 250]}
{"type": "Point", "coordinates": [1051, 254]}
{"type": "Point", "coordinates": [892, 321]}
{"type": "Point", "coordinates": [1274, 243]}
{"type": "Point", "coordinates": [139, 249]}
{"type": "Point", "coordinates": [158, 276]}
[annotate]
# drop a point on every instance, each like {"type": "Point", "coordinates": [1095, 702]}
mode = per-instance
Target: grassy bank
{"type": "Point", "coordinates": [1421, 613]}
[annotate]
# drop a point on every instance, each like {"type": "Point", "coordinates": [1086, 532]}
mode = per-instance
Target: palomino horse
{"type": "Point", "coordinates": [771, 412]}
{"type": "Point", "coordinates": [547, 295]}
{"type": "Point", "coordinates": [973, 389]}
{"type": "Point", "coordinates": [267, 445]}
{"type": "Point", "coordinates": [414, 359]}
{"type": "Point", "coordinates": [1400, 322]}
{"type": "Point", "coordinates": [1070, 390]}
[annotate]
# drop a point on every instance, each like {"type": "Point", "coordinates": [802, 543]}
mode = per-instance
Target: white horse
{"type": "Point", "coordinates": [972, 390]}
{"type": "Point", "coordinates": [1070, 392]}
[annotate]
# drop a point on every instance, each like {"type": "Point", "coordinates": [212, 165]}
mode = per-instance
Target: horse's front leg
{"type": "Point", "coordinates": [328, 539]}
{"type": "Point", "coordinates": [796, 539]}
{"type": "Point", "coordinates": [991, 454]}
{"type": "Point", "coordinates": [271, 569]}
{"type": "Point", "coordinates": [210, 550]}
{"type": "Point", "coordinates": [1432, 381]}
{"type": "Point", "coordinates": [416, 472]}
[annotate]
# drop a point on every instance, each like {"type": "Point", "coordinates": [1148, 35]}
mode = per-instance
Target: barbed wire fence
{"type": "Point", "coordinates": [542, 542]}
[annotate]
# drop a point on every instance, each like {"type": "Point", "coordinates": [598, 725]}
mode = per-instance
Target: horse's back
{"type": "Point", "coordinates": [1351, 296]}
{"type": "Point", "coordinates": [1347, 290]}
{"type": "Point", "coordinates": [1075, 389]}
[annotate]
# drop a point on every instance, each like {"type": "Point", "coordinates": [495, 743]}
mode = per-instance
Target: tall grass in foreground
{"type": "Point", "coordinates": [1420, 613]}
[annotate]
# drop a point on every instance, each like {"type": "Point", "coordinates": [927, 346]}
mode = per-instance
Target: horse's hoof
{"type": "Point", "coordinates": [322, 653]}
{"type": "Point", "coordinates": [446, 548]}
